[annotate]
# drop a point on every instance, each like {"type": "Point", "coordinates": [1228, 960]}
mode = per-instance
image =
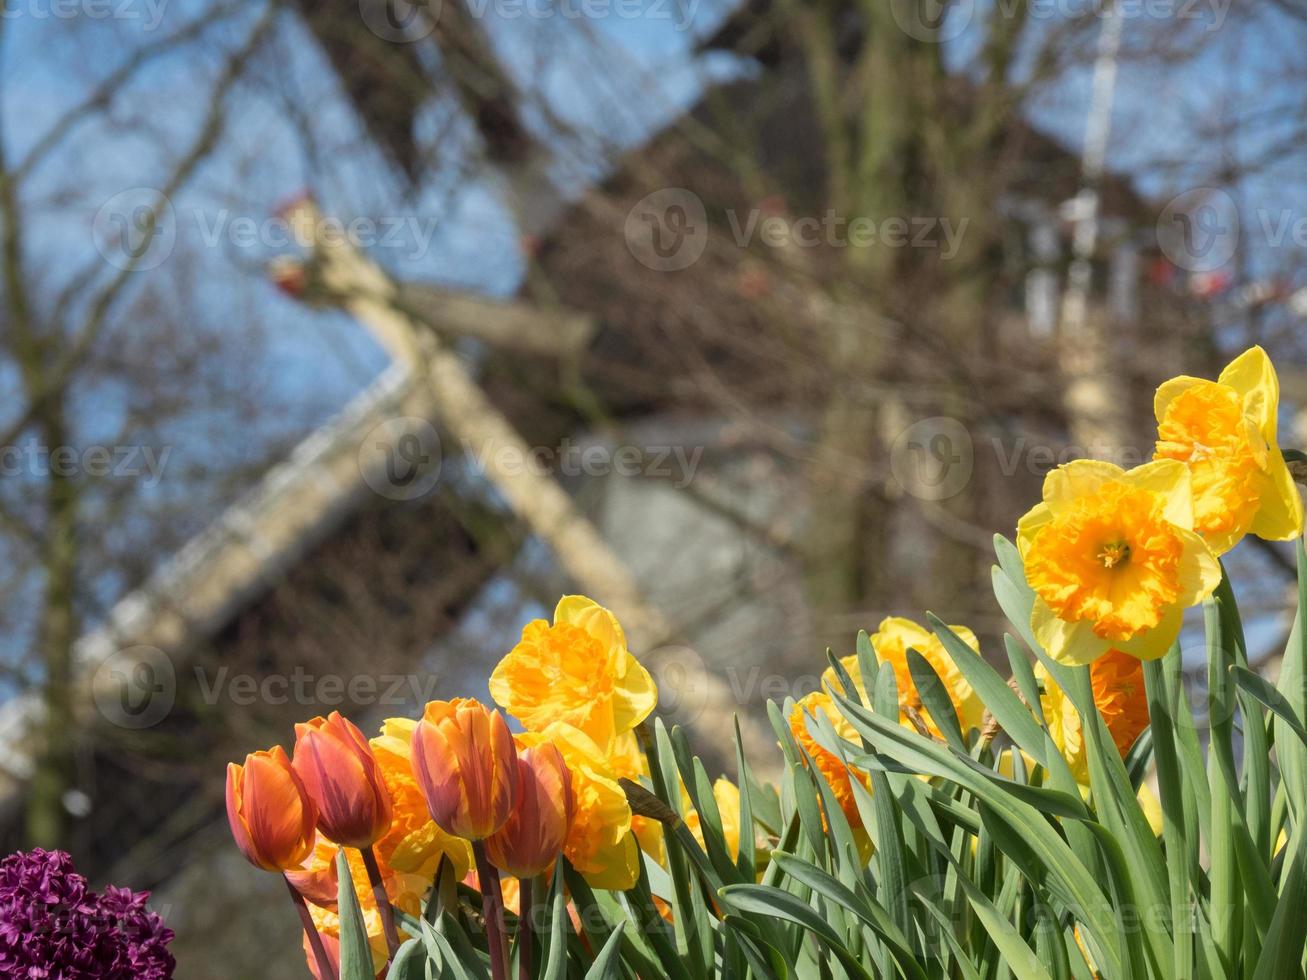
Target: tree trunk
{"type": "Point", "coordinates": [53, 776]}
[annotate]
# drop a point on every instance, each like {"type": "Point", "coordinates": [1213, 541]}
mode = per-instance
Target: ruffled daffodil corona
{"type": "Point", "coordinates": [1224, 431]}
{"type": "Point", "coordinates": [831, 766]}
{"type": "Point", "coordinates": [1113, 559]}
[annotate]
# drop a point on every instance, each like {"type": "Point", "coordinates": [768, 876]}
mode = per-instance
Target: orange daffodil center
{"type": "Point", "coordinates": [836, 773]}
{"type": "Point", "coordinates": [1113, 559]}
{"type": "Point", "coordinates": [1224, 431]}
{"type": "Point", "coordinates": [1117, 681]}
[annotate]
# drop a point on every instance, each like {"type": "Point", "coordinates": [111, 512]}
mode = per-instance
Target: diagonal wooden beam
{"type": "Point", "coordinates": [359, 286]}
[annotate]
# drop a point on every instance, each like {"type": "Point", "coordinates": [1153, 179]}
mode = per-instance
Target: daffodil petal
{"type": "Point", "coordinates": [635, 698]}
{"type": "Point", "coordinates": [1067, 643]}
{"type": "Point", "coordinates": [1154, 643]}
{"type": "Point", "coordinates": [1168, 391]}
{"type": "Point", "coordinates": [1253, 376]}
{"type": "Point", "coordinates": [1169, 478]}
{"type": "Point", "coordinates": [1151, 807]}
{"type": "Point", "coordinates": [1030, 525]}
{"type": "Point", "coordinates": [618, 867]}
{"type": "Point", "coordinates": [1280, 516]}
{"type": "Point", "coordinates": [582, 611]}
{"type": "Point", "coordinates": [1076, 479]}
{"type": "Point", "coordinates": [1200, 571]}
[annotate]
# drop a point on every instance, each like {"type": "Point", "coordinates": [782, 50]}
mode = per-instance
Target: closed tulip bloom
{"type": "Point", "coordinates": [534, 835]}
{"type": "Point", "coordinates": [465, 763]}
{"type": "Point", "coordinates": [336, 765]}
{"type": "Point", "coordinates": [272, 817]}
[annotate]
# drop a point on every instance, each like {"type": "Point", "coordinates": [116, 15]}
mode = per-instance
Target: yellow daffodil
{"type": "Point", "coordinates": [600, 844]}
{"type": "Point", "coordinates": [577, 671]}
{"type": "Point", "coordinates": [727, 796]}
{"type": "Point", "coordinates": [1117, 680]}
{"type": "Point", "coordinates": [1224, 431]}
{"type": "Point", "coordinates": [1113, 559]}
{"type": "Point", "coordinates": [828, 763]}
{"type": "Point", "coordinates": [892, 640]}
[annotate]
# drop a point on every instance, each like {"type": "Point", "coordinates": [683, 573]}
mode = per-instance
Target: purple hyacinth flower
{"type": "Point", "coordinates": [53, 926]}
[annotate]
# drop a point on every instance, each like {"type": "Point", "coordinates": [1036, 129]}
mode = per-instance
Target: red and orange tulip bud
{"type": "Point", "coordinates": [271, 814]}
{"type": "Point", "coordinates": [465, 763]}
{"type": "Point", "coordinates": [533, 837]}
{"type": "Point", "coordinates": [336, 765]}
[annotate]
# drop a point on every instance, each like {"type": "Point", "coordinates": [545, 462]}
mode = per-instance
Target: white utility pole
{"type": "Point", "coordinates": [1085, 205]}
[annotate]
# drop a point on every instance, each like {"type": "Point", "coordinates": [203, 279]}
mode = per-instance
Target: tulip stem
{"type": "Point", "coordinates": [492, 908]}
{"type": "Point", "coordinates": [525, 922]}
{"type": "Point", "coordinates": [325, 969]}
{"type": "Point", "coordinates": [382, 899]}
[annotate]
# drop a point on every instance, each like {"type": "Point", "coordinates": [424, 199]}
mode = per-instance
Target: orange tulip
{"type": "Point", "coordinates": [336, 764]}
{"type": "Point", "coordinates": [534, 835]}
{"type": "Point", "coordinates": [272, 817]}
{"type": "Point", "coordinates": [465, 763]}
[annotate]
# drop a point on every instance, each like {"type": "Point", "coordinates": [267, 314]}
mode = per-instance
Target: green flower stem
{"type": "Point", "coordinates": [525, 926]}
{"type": "Point", "coordinates": [382, 899]}
{"type": "Point", "coordinates": [325, 969]}
{"type": "Point", "coordinates": [492, 908]}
